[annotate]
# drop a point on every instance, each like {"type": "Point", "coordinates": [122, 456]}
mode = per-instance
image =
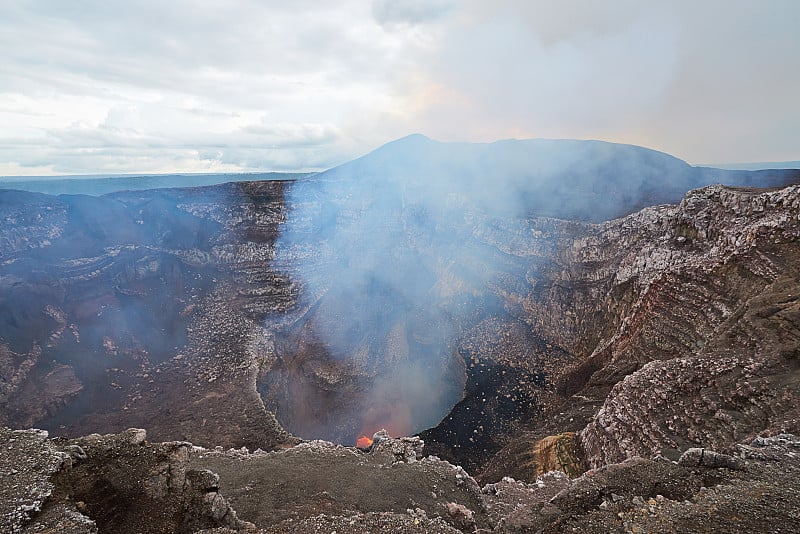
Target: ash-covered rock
{"type": "Point", "coordinates": [129, 485]}
{"type": "Point", "coordinates": [515, 505]}
{"type": "Point", "coordinates": [119, 483]}
{"type": "Point", "coordinates": [656, 495]}
{"type": "Point", "coordinates": [699, 457]}
{"type": "Point", "coordinates": [120, 311]}
{"type": "Point", "coordinates": [404, 449]}
{"type": "Point", "coordinates": [358, 523]}
{"type": "Point", "coordinates": [28, 460]}
{"type": "Point", "coordinates": [290, 489]}
{"type": "Point", "coordinates": [711, 333]}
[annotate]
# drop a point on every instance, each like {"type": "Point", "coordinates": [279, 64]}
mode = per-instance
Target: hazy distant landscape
{"type": "Point", "coordinates": [111, 183]}
{"type": "Point", "coordinates": [103, 184]}
{"type": "Point", "coordinates": [755, 166]}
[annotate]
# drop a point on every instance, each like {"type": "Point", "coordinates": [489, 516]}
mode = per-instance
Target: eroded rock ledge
{"type": "Point", "coordinates": [122, 483]}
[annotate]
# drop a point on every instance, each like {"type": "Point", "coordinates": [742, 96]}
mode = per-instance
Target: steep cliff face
{"type": "Point", "coordinates": [706, 291]}
{"type": "Point", "coordinates": [711, 278]}
{"type": "Point", "coordinates": [715, 332]}
{"type": "Point", "coordinates": [139, 310]}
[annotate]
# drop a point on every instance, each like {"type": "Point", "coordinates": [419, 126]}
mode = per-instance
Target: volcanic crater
{"type": "Point", "coordinates": [517, 317]}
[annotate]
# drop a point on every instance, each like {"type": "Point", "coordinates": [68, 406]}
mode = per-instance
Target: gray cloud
{"type": "Point", "coordinates": [709, 81]}
{"type": "Point", "coordinates": [390, 12]}
{"type": "Point", "coordinates": [714, 81]}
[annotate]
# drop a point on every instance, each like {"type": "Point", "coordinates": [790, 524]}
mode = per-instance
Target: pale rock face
{"type": "Point", "coordinates": [28, 461]}
{"type": "Point", "coordinates": [720, 319]}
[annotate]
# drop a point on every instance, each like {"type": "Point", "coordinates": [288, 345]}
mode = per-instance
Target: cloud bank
{"type": "Point", "coordinates": [184, 86]}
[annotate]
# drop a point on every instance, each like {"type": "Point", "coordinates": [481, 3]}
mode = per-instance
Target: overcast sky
{"type": "Point", "coordinates": [197, 86]}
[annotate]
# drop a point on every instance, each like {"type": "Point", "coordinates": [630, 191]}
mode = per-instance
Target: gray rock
{"type": "Point", "coordinates": [136, 436]}
{"type": "Point", "coordinates": [407, 449]}
{"type": "Point", "coordinates": [76, 453]}
{"type": "Point", "coordinates": [202, 480]}
{"type": "Point", "coordinates": [699, 457]}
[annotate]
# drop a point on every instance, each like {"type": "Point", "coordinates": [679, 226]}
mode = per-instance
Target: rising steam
{"type": "Point", "coordinates": [392, 268]}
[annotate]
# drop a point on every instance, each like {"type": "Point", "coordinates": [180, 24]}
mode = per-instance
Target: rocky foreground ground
{"type": "Point", "coordinates": [122, 483]}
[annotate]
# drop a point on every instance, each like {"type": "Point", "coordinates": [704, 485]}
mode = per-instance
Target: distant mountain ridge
{"type": "Point", "coordinates": [561, 178]}
{"type": "Point", "coordinates": [105, 184]}
{"type": "Point", "coordinates": [755, 166]}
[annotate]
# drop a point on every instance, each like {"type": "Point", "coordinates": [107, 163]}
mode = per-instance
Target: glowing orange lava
{"type": "Point", "coordinates": [364, 442]}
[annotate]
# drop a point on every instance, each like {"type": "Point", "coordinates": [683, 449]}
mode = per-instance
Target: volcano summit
{"type": "Point", "coordinates": [523, 307]}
